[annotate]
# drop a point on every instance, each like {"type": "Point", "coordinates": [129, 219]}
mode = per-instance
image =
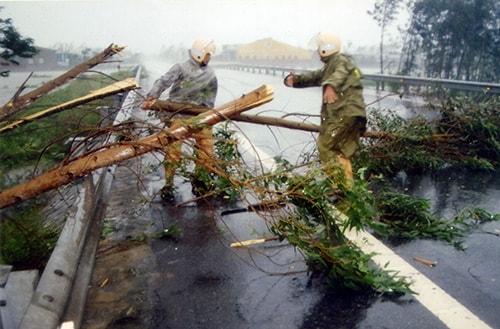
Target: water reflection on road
{"type": "Point", "coordinates": [451, 190]}
{"type": "Point", "coordinates": [203, 283]}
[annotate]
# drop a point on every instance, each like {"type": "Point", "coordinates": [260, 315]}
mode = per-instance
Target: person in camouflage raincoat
{"type": "Point", "coordinates": [343, 110]}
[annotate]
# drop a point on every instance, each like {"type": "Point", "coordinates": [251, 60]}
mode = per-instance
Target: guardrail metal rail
{"type": "Point", "coordinates": [484, 87]}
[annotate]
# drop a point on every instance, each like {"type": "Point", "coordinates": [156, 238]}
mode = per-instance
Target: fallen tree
{"type": "Point", "coordinates": [464, 133]}
{"type": "Point", "coordinates": [82, 166]}
{"type": "Point", "coordinates": [310, 195]}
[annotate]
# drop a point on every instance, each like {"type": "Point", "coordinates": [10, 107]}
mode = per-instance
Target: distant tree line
{"type": "Point", "coordinates": [448, 39]}
{"type": "Point", "coordinates": [459, 39]}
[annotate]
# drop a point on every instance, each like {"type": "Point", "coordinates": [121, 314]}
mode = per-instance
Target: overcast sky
{"type": "Point", "coordinates": [147, 25]}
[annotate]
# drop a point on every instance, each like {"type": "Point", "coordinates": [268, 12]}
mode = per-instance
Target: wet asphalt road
{"type": "Point", "coordinates": [204, 283]}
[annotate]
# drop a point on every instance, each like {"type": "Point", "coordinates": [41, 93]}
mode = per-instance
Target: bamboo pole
{"type": "Point", "coordinates": [20, 102]}
{"type": "Point", "coordinates": [247, 243]}
{"type": "Point", "coordinates": [80, 167]}
{"type": "Point", "coordinates": [175, 108]}
{"type": "Point", "coordinates": [120, 86]}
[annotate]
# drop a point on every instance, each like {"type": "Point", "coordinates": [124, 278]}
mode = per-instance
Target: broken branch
{"type": "Point", "coordinates": [120, 86]}
{"type": "Point", "coordinates": [20, 102]}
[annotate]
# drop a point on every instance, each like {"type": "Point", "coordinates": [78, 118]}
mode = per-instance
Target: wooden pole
{"type": "Point", "coordinates": [252, 242]}
{"type": "Point", "coordinates": [80, 167]}
{"type": "Point", "coordinates": [175, 108]}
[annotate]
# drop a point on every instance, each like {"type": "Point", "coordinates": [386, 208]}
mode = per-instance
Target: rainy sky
{"type": "Point", "coordinates": [147, 25]}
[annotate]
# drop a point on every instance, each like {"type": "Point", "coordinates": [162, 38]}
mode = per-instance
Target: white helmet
{"type": "Point", "coordinates": [328, 43]}
{"type": "Point", "coordinates": [200, 48]}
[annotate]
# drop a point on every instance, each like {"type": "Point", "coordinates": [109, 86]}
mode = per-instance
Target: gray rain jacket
{"type": "Point", "coordinates": [191, 83]}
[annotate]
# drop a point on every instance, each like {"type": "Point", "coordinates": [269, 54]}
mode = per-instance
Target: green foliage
{"type": "Point", "coordinates": [25, 242]}
{"type": "Point", "coordinates": [466, 133]}
{"type": "Point", "coordinates": [13, 44]}
{"type": "Point", "coordinates": [404, 216]}
{"type": "Point", "coordinates": [349, 268]}
{"type": "Point", "coordinates": [316, 227]}
{"type": "Point", "coordinates": [323, 208]}
{"type": "Point", "coordinates": [476, 126]}
{"type": "Point", "coordinates": [401, 146]}
{"type": "Point", "coordinates": [107, 229]}
{"type": "Point", "coordinates": [169, 233]}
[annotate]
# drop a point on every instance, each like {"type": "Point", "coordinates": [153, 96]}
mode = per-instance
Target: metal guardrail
{"type": "Point", "coordinates": [485, 87]}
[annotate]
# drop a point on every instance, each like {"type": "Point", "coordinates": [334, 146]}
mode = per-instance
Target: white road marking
{"type": "Point", "coordinates": [436, 300]}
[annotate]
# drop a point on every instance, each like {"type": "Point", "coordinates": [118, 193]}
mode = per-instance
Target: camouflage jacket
{"type": "Point", "coordinates": [342, 74]}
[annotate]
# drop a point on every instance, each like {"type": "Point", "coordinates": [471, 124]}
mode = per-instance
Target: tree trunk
{"type": "Point", "coordinates": [80, 167]}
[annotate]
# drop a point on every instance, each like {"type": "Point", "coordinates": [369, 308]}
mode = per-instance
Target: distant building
{"type": "Point", "coordinates": [271, 52]}
{"type": "Point", "coordinates": [45, 60]}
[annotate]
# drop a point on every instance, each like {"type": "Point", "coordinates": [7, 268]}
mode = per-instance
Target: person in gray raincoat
{"type": "Point", "coordinates": [343, 110]}
{"type": "Point", "coordinates": [191, 82]}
